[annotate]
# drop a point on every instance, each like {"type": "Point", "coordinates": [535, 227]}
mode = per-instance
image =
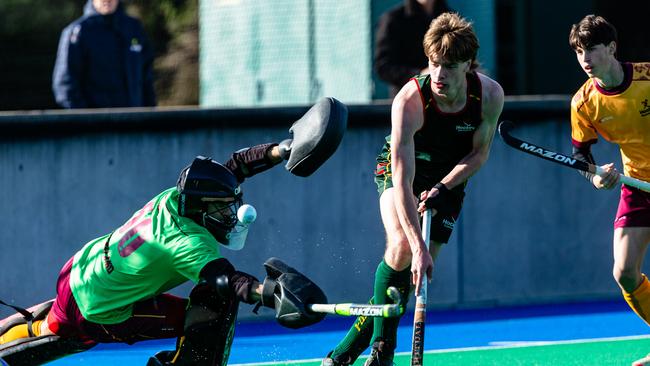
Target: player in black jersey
{"type": "Point", "coordinates": [442, 129]}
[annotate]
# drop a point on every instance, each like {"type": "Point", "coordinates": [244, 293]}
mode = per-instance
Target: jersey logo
{"type": "Point", "coordinates": [449, 224]}
{"type": "Point", "coordinates": [605, 119]}
{"type": "Point", "coordinates": [135, 45]}
{"type": "Point", "coordinates": [646, 108]}
{"type": "Point", "coordinates": [465, 127]}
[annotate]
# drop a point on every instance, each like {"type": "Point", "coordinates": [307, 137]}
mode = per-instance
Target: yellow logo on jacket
{"type": "Point", "coordinates": [135, 45]}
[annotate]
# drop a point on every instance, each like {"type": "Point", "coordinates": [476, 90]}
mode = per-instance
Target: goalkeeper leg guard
{"type": "Point", "coordinates": [208, 332]}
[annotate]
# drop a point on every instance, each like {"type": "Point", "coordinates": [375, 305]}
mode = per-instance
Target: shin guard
{"type": "Point", "coordinates": [208, 332]}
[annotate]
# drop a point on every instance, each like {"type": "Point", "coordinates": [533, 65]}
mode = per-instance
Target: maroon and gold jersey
{"type": "Point", "coordinates": [620, 115]}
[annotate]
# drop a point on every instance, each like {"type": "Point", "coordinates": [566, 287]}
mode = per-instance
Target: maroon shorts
{"type": "Point", "coordinates": [159, 317]}
{"type": "Point", "coordinates": [633, 208]}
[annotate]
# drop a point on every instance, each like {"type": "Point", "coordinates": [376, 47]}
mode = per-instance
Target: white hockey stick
{"type": "Point", "coordinates": [417, 353]}
{"type": "Point", "coordinates": [349, 309]}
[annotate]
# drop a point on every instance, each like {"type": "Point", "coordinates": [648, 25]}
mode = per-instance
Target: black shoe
{"type": "Point", "coordinates": [162, 358]}
{"type": "Point", "coordinates": [381, 355]}
{"type": "Point", "coordinates": [329, 361]}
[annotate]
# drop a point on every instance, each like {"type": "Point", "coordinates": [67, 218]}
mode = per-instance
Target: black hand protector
{"type": "Point", "coordinates": [444, 201]}
{"type": "Point", "coordinates": [288, 292]}
{"type": "Point", "coordinates": [316, 136]}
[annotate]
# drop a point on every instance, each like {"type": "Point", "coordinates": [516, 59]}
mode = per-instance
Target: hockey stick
{"type": "Point", "coordinates": [417, 353]}
{"type": "Point", "coordinates": [349, 309]}
{"type": "Point", "coordinates": [504, 131]}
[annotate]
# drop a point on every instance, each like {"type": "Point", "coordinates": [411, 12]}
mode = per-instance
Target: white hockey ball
{"type": "Point", "coordinates": [247, 214]}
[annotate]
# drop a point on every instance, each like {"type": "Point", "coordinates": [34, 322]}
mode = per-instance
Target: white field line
{"type": "Point", "coordinates": [493, 346]}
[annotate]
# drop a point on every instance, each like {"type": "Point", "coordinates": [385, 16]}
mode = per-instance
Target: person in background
{"type": "Point", "coordinates": [398, 42]}
{"type": "Point", "coordinates": [104, 60]}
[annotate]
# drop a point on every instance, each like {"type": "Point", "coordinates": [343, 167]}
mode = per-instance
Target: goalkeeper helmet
{"type": "Point", "coordinates": [209, 193]}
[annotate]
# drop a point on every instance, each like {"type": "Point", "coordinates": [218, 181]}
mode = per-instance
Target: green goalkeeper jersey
{"type": "Point", "coordinates": [153, 252]}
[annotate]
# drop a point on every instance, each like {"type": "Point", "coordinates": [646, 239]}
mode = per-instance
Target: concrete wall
{"type": "Point", "coordinates": [531, 231]}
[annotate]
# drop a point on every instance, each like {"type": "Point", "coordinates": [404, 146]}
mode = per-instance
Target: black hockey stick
{"type": "Point", "coordinates": [349, 309]}
{"type": "Point", "coordinates": [540, 152]}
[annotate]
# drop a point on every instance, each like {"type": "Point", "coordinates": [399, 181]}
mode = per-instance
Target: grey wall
{"type": "Point", "coordinates": [531, 231]}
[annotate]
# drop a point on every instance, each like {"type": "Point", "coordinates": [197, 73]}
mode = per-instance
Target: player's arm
{"type": "Point", "coordinates": [583, 137]}
{"type": "Point", "coordinates": [582, 152]}
{"type": "Point", "coordinates": [148, 90]}
{"type": "Point", "coordinates": [250, 161]}
{"type": "Point", "coordinates": [407, 118]}
{"type": "Point", "coordinates": [68, 69]}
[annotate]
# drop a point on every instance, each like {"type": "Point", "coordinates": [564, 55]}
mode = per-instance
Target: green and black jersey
{"type": "Point", "coordinates": [443, 140]}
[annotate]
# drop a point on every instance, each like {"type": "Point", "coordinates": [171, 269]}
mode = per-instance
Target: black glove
{"type": "Point", "coordinates": [288, 292]}
{"type": "Point", "coordinates": [444, 202]}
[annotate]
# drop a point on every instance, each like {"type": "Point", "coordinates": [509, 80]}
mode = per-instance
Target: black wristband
{"type": "Point", "coordinates": [441, 187]}
{"type": "Point", "coordinates": [442, 200]}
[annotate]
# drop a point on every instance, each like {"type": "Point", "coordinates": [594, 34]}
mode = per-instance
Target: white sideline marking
{"type": "Point", "coordinates": [493, 345]}
{"type": "Point", "coordinates": [278, 362]}
{"type": "Point", "coordinates": [521, 344]}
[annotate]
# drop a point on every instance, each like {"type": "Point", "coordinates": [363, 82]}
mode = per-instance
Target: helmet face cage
{"type": "Point", "coordinates": [221, 215]}
{"type": "Point", "coordinates": [201, 186]}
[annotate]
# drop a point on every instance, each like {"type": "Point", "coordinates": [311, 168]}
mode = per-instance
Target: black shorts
{"type": "Point", "coordinates": [426, 176]}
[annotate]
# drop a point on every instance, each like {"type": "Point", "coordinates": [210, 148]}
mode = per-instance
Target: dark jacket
{"type": "Point", "coordinates": [399, 53]}
{"type": "Point", "coordinates": [104, 61]}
